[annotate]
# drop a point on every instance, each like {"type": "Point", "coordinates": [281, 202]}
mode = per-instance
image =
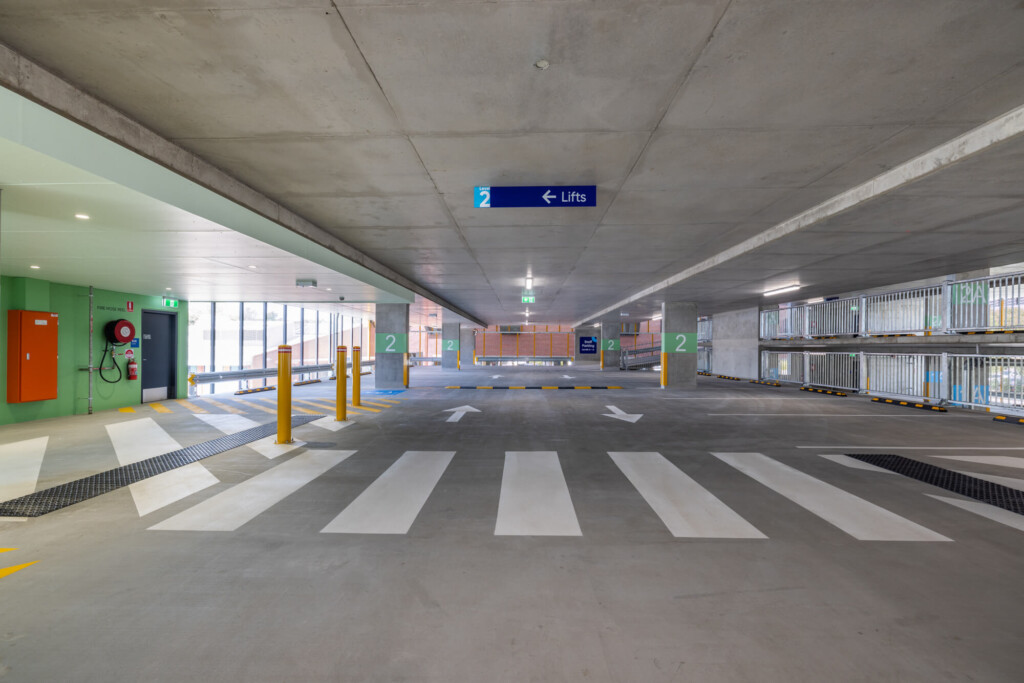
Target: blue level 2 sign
{"type": "Point", "coordinates": [534, 195]}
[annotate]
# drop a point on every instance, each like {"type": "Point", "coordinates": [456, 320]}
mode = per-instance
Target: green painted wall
{"type": "Point", "coordinates": [71, 303]}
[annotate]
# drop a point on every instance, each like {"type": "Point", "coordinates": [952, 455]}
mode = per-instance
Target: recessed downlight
{"type": "Point", "coordinates": [167, 288]}
{"type": "Point", "coordinates": [82, 216]}
{"type": "Point", "coordinates": [253, 267]}
{"type": "Point", "coordinates": [34, 267]}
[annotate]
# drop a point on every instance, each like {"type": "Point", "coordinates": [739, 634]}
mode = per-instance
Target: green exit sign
{"type": "Point", "coordinates": [529, 299]}
{"type": "Point", "coordinates": [170, 303]}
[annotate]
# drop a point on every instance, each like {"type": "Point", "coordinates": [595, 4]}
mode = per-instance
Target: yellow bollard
{"type": "Point", "coordinates": [458, 360]}
{"type": "Point", "coordinates": [664, 370]}
{"type": "Point", "coordinates": [284, 394]}
{"type": "Point", "coordinates": [356, 376]}
{"type": "Point", "coordinates": [600, 363]}
{"type": "Point", "coordinates": [405, 370]}
{"type": "Point", "coordinates": [341, 371]}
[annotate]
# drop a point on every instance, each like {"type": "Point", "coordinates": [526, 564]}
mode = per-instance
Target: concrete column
{"type": "Point", "coordinates": [391, 344]}
{"type": "Point", "coordinates": [734, 348]}
{"type": "Point", "coordinates": [680, 354]}
{"type": "Point", "coordinates": [610, 344]}
{"type": "Point", "coordinates": [450, 340]}
{"type": "Point", "coordinates": [467, 345]}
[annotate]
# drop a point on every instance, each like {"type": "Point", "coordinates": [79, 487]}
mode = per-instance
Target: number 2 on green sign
{"type": "Point", "coordinates": [451, 344]}
{"type": "Point", "coordinates": [390, 348]}
{"type": "Point", "coordinates": [681, 338]}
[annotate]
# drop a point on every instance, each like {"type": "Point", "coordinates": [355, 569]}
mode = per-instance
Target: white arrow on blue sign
{"type": "Point", "coordinates": [534, 195]}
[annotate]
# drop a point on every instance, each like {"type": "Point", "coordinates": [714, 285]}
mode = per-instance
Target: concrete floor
{"type": "Point", "coordinates": [275, 599]}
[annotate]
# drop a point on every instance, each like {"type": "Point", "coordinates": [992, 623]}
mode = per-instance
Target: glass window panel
{"type": "Point", "coordinates": [227, 325]}
{"type": "Point", "coordinates": [199, 342]}
{"type": "Point", "coordinates": [252, 341]}
{"type": "Point", "coordinates": [275, 332]}
{"type": "Point", "coordinates": [323, 342]}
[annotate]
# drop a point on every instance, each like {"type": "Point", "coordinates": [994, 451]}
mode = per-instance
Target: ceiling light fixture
{"type": "Point", "coordinates": [82, 216]}
{"type": "Point", "coordinates": [529, 282]}
{"type": "Point", "coordinates": [329, 289]}
{"type": "Point", "coordinates": [167, 288]}
{"type": "Point", "coordinates": [34, 267]}
{"type": "Point", "coordinates": [253, 267]}
{"type": "Point", "coordinates": [782, 290]}
{"type": "Point", "coordinates": [816, 301]}
{"type": "Point", "coordinates": [656, 317]}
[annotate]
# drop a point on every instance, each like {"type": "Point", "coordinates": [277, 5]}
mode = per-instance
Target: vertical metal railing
{"type": "Point", "coordinates": [980, 304]}
{"type": "Point", "coordinates": [987, 381]}
{"type": "Point", "coordinates": [835, 370]}
{"type": "Point", "coordinates": [704, 359]}
{"type": "Point", "coordinates": [704, 330]}
{"type": "Point", "coordinates": [914, 375]}
{"type": "Point", "coordinates": [839, 317]}
{"type": "Point", "coordinates": [782, 366]}
{"type": "Point", "coordinates": [992, 303]}
{"type": "Point", "coordinates": [908, 311]}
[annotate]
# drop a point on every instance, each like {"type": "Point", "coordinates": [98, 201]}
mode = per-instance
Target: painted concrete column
{"type": "Point", "coordinates": [610, 345]}
{"type": "Point", "coordinates": [450, 341]}
{"type": "Point", "coordinates": [734, 348]}
{"type": "Point", "coordinates": [467, 346]}
{"type": "Point", "coordinates": [390, 344]}
{"type": "Point", "coordinates": [679, 345]}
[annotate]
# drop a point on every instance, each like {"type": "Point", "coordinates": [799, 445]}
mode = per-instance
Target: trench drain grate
{"type": "Point", "coordinates": [64, 495]}
{"type": "Point", "coordinates": [985, 491]}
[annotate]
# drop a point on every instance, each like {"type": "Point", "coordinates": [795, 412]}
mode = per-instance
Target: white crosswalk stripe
{"type": "Point", "coordinates": [20, 463]}
{"type": "Point", "coordinates": [1000, 460]}
{"type": "Point", "coordinates": [228, 422]}
{"type": "Point", "coordinates": [861, 519]}
{"type": "Point", "coordinates": [391, 503]}
{"type": "Point", "coordinates": [687, 508]}
{"type": "Point", "coordinates": [137, 440]}
{"type": "Point", "coordinates": [534, 498]}
{"type": "Point", "coordinates": [230, 509]}
{"type": "Point", "coordinates": [1010, 519]}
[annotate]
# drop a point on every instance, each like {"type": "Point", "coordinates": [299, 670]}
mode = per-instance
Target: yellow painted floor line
{"type": "Point", "coordinates": [160, 407]}
{"type": "Point", "coordinates": [223, 406]}
{"type": "Point", "coordinates": [375, 403]}
{"type": "Point", "coordinates": [253, 402]}
{"type": "Point", "coordinates": [188, 405]}
{"type": "Point", "coordinates": [306, 411]}
{"type": "Point", "coordinates": [7, 571]}
{"type": "Point", "coordinates": [315, 404]}
{"type": "Point", "coordinates": [128, 409]}
{"type": "Point", "coordinates": [387, 400]}
{"type": "Point", "coordinates": [362, 407]}
{"type": "Point", "coordinates": [4, 550]}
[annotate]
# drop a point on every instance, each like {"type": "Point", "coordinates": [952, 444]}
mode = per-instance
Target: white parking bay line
{"type": "Point", "coordinates": [534, 499]}
{"type": "Point", "coordinates": [1001, 460]}
{"type": "Point", "coordinates": [142, 439]}
{"type": "Point", "coordinates": [687, 508]}
{"type": "Point", "coordinates": [861, 519]}
{"type": "Point", "coordinates": [853, 462]}
{"type": "Point", "coordinates": [231, 509]}
{"type": "Point", "coordinates": [228, 422]}
{"type": "Point", "coordinates": [922, 448]}
{"type": "Point", "coordinates": [1000, 515]}
{"type": "Point", "coordinates": [391, 503]}
{"type": "Point", "coordinates": [20, 463]}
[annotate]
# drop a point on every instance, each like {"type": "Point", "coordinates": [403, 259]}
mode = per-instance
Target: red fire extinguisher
{"type": "Point", "coordinates": [133, 369]}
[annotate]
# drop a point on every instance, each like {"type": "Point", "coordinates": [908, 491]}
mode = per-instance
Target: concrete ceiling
{"type": "Point", "coordinates": [704, 124]}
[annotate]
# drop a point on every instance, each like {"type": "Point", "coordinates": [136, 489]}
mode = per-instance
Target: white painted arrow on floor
{"type": "Point", "coordinates": [457, 413]}
{"type": "Point", "coordinates": [496, 376]}
{"type": "Point", "coordinates": [568, 377]}
{"type": "Point", "coordinates": [620, 415]}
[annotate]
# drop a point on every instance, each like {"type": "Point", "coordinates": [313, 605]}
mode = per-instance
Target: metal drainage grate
{"type": "Point", "coordinates": [987, 492]}
{"type": "Point", "coordinates": [64, 495]}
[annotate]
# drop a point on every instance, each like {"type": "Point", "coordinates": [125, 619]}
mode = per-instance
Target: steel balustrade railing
{"type": "Point", "coordinates": [704, 330]}
{"type": "Point", "coordinates": [704, 359]}
{"type": "Point", "coordinates": [981, 304]}
{"type": "Point", "coordinates": [974, 381]}
{"type": "Point", "coordinates": [908, 311]}
{"type": "Point", "coordinates": [643, 357]}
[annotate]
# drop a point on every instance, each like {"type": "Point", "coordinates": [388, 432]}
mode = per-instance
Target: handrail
{"type": "Point", "coordinates": [260, 373]}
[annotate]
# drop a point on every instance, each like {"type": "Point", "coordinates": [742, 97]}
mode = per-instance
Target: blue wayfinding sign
{"type": "Point", "coordinates": [534, 195]}
{"type": "Point", "coordinates": [588, 345]}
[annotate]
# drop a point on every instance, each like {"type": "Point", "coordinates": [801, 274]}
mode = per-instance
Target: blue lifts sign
{"type": "Point", "coordinates": [588, 345]}
{"type": "Point", "coordinates": [539, 195]}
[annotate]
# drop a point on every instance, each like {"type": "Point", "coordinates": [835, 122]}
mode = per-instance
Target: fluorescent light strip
{"type": "Point", "coordinates": [782, 290]}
